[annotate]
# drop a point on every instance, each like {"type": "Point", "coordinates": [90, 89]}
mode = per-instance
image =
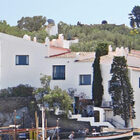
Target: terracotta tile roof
{"type": "Point", "coordinates": [87, 60]}
{"type": "Point", "coordinates": [56, 51]}
{"type": "Point", "coordinates": [133, 59]}
{"type": "Point", "coordinates": [134, 68]}
{"type": "Point", "coordinates": [106, 59]}
{"type": "Point", "coordinates": [81, 56]}
{"type": "Point", "coordinates": [135, 53]}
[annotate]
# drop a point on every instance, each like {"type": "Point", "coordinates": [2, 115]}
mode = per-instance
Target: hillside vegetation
{"type": "Point", "coordinates": [89, 35]}
{"type": "Point", "coordinates": [16, 31]}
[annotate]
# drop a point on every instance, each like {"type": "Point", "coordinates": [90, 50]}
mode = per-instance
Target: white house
{"type": "Point", "coordinates": [22, 61]}
{"type": "Point", "coordinates": [72, 70]}
{"type": "Point", "coordinates": [78, 73]}
{"type": "Point", "coordinates": [133, 62]}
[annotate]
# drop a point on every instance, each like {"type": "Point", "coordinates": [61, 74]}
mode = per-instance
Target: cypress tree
{"type": "Point", "coordinates": [121, 91]}
{"type": "Point", "coordinates": [97, 87]}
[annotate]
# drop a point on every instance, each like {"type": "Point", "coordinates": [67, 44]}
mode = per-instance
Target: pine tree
{"type": "Point", "coordinates": [121, 91]}
{"type": "Point", "coordinates": [97, 87]}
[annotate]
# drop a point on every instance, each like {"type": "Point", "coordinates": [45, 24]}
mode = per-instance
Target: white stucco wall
{"type": "Point", "coordinates": [68, 43]}
{"type": "Point", "coordinates": [101, 112]}
{"type": "Point", "coordinates": [0, 64]}
{"type": "Point", "coordinates": [12, 74]}
{"type": "Point", "coordinates": [73, 70]}
{"type": "Point", "coordinates": [134, 78]}
{"type": "Point", "coordinates": [106, 76]}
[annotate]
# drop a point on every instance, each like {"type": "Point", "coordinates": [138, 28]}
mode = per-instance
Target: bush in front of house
{"type": "Point", "coordinates": [18, 91]}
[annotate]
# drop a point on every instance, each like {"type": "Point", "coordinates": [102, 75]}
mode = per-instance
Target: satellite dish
{"type": "Point", "coordinates": [104, 22]}
{"type": "Point", "coordinates": [50, 21]}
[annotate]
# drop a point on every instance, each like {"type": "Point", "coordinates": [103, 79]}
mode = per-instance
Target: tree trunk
{"type": "Point", "coordinates": [126, 123]}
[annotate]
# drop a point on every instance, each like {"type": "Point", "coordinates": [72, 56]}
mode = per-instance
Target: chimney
{"type": "Point", "coordinates": [35, 39]}
{"type": "Point", "coordinates": [109, 50]}
{"type": "Point", "coordinates": [77, 56]}
{"type": "Point", "coordinates": [122, 51]}
{"type": "Point", "coordinates": [54, 42]}
{"type": "Point", "coordinates": [61, 37]}
{"type": "Point", "coordinates": [126, 52]}
{"type": "Point", "coordinates": [117, 51]}
{"type": "Point", "coordinates": [47, 45]}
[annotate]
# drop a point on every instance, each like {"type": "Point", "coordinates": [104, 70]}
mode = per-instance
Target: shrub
{"type": "Point", "coordinates": [19, 91]}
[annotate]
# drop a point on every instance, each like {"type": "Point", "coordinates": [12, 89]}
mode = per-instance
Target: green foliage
{"type": "Point", "coordinates": [32, 106]}
{"type": "Point", "coordinates": [97, 87]}
{"type": "Point", "coordinates": [101, 49]}
{"type": "Point", "coordinates": [6, 92]}
{"type": "Point", "coordinates": [5, 28]}
{"type": "Point", "coordinates": [90, 35]}
{"type": "Point", "coordinates": [22, 90]}
{"type": "Point", "coordinates": [40, 35]}
{"type": "Point", "coordinates": [19, 91]}
{"type": "Point", "coordinates": [59, 98]}
{"type": "Point", "coordinates": [135, 17]}
{"type": "Point", "coordinates": [53, 37]}
{"type": "Point", "coordinates": [34, 23]}
{"type": "Point", "coordinates": [121, 90]}
{"type": "Point", "coordinates": [56, 97]}
{"type": "Point", "coordinates": [45, 89]}
{"type": "Point", "coordinates": [82, 47]}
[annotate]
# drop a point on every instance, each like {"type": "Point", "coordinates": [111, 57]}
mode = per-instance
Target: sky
{"type": "Point", "coordinates": [69, 11]}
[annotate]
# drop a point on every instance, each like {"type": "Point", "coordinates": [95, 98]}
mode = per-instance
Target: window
{"type": "Point", "coordinates": [85, 79]}
{"type": "Point", "coordinates": [59, 72]}
{"type": "Point", "coordinates": [22, 60]}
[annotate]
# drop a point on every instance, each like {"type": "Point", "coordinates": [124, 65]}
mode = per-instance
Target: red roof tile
{"type": "Point", "coordinates": [56, 51]}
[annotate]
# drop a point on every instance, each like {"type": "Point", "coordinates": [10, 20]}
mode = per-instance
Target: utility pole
{"type": "Point", "coordinates": [15, 124]}
{"type": "Point", "coordinates": [43, 124]}
{"type": "Point", "coordinates": [36, 120]}
{"type": "Point", "coordinates": [57, 123]}
{"type": "Point", "coordinates": [23, 118]}
{"type": "Point", "coordinates": [46, 129]}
